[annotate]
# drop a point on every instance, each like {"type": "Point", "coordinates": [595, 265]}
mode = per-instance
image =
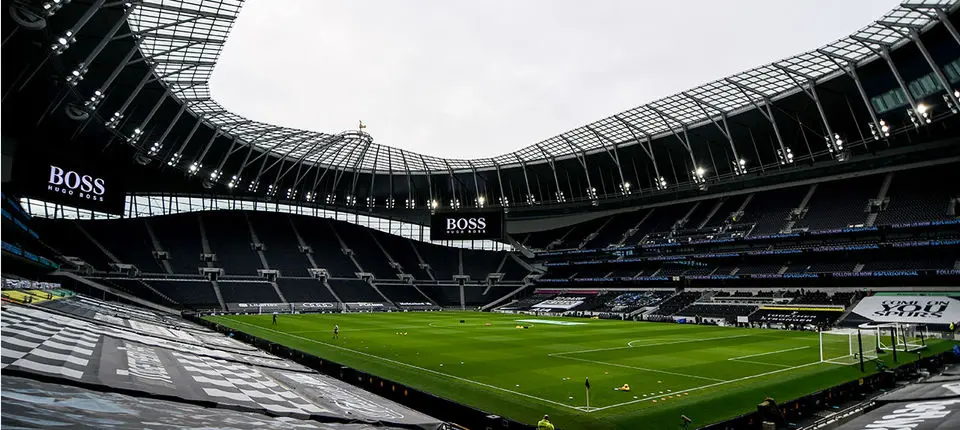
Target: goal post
{"type": "Point", "coordinates": [846, 346]}
{"type": "Point", "coordinates": [899, 337]}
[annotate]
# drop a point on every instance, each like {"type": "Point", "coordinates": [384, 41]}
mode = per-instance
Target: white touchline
{"type": "Point", "coordinates": [410, 365]}
{"type": "Point", "coordinates": [768, 353]}
{"type": "Point", "coordinates": [705, 386]}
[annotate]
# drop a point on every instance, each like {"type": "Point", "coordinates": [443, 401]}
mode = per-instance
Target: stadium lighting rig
{"type": "Point", "coordinates": [921, 116]}
{"type": "Point", "coordinates": [884, 130]}
{"type": "Point", "coordinates": [410, 204]}
{"type": "Point", "coordinates": [785, 155]}
{"type": "Point", "coordinates": [625, 188]}
{"type": "Point", "coordinates": [155, 149]}
{"type": "Point", "coordinates": [391, 202]}
{"type": "Point", "coordinates": [699, 175]}
{"type": "Point", "coordinates": [660, 183]}
{"type": "Point", "coordinates": [77, 75]}
{"type": "Point", "coordinates": [214, 175]}
{"type": "Point", "coordinates": [135, 136]}
{"type": "Point", "coordinates": [739, 167]}
{"type": "Point", "coordinates": [455, 204]}
{"type": "Point", "coordinates": [94, 101]}
{"type": "Point", "coordinates": [481, 201]}
{"type": "Point", "coordinates": [50, 8]}
{"type": "Point", "coordinates": [291, 194]}
{"type": "Point", "coordinates": [234, 180]}
{"type": "Point", "coordinates": [835, 147]}
{"type": "Point", "coordinates": [63, 43]}
{"type": "Point", "coordinates": [194, 168]}
{"type": "Point", "coordinates": [271, 190]}
{"type": "Point", "coordinates": [504, 201]}
{"type": "Point", "coordinates": [531, 200]}
{"type": "Point", "coordinates": [174, 160]}
{"type": "Point", "coordinates": [592, 194]}
{"type": "Point", "coordinates": [330, 199]}
{"type": "Point", "coordinates": [114, 120]}
{"type": "Point", "coordinates": [253, 186]}
{"type": "Point", "coordinates": [953, 107]}
{"type": "Point", "coordinates": [351, 200]}
{"type": "Point", "coordinates": [434, 204]}
{"type": "Point", "coordinates": [561, 197]}
{"type": "Point", "coordinates": [371, 202]}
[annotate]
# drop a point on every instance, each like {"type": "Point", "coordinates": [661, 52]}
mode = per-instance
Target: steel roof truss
{"type": "Point", "coordinates": [614, 155]}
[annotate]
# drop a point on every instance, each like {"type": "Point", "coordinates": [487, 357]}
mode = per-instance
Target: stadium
{"type": "Point", "coordinates": [777, 248]}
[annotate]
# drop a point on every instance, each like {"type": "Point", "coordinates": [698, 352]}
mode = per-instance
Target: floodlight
{"type": "Point", "coordinates": [434, 204]}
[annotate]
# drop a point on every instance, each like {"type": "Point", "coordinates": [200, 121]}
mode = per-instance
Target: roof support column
{"type": "Point", "coordinates": [915, 36]}
{"type": "Point", "coordinates": [945, 20]}
{"type": "Point", "coordinates": [526, 179]}
{"type": "Point", "coordinates": [83, 66]}
{"type": "Point", "coordinates": [611, 151]}
{"type": "Point", "coordinates": [173, 122]}
{"type": "Point", "coordinates": [503, 197]}
{"type": "Point", "coordinates": [851, 70]}
{"type": "Point", "coordinates": [831, 141]}
{"type": "Point", "coordinates": [768, 114]}
{"type": "Point", "coordinates": [647, 149]}
{"type": "Point", "coordinates": [885, 54]}
{"type": "Point", "coordinates": [69, 36]}
{"type": "Point", "coordinates": [553, 167]}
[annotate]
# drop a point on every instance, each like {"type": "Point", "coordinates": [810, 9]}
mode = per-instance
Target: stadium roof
{"type": "Point", "coordinates": [183, 40]}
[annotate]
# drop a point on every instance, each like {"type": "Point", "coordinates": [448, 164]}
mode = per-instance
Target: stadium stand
{"type": "Point", "coordinates": [190, 363]}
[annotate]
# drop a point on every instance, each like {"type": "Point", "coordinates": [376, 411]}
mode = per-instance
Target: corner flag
{"type": "Point", "coordinates": [587, 383]}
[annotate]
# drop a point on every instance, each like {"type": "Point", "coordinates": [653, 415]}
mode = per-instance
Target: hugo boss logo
{"type": "Point", "coordinates": [467, 225]}
{"type": "Point", "coordinates": [72, 183]}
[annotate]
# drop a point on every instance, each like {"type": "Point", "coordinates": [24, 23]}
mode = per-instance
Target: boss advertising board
{"type": "Point", "coordinates": [910, 309]}
{"type": "Point", "coordinates": [470, 225]}
{"type": "Point", "coordinates": [73, 183]}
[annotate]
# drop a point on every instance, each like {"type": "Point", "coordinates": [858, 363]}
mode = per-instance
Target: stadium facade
{"type": "Point", "coordinates": [775, 197]}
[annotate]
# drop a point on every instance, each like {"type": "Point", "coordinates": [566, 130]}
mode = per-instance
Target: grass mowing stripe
{"type": "Point", "coordinates": [408, 365]}
{"type": "Point", "coordinates": [768, 353]}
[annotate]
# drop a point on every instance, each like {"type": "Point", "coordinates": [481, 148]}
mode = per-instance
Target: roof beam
{"type": "Point", "coordinates": [186, 11]}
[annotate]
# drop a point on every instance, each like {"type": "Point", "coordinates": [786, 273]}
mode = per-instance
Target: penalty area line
{"type": "Point", "coordinates": [413, 367]}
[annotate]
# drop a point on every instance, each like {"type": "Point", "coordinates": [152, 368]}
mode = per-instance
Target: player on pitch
{"type": "Point", "coordinates": [336, 331]}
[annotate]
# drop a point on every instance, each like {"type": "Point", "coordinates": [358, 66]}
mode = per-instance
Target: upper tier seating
{"type": "Point", "coordinates": [128, 240]}
{"type": "Point", "coordinates": [229, 237]}
{"type": "Point", "coordinates": [354, 290]}
{"type": "Point", "coordinates": [280, 244]}
{"type": "Point", "coordinates": [304, 290]}
{"type": "Point", "coordinates": [327, 252]}
{"type": "Point", "coordinates": [921, 195]}
{"type": "Point", "coordinates": [179, 235]}
{"type": "Point", "coordinates": [840, 203]}
{"type": "Point", "coordinates": [247, 292]}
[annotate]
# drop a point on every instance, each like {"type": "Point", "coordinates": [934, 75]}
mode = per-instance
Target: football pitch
{"type": "Point", "coordinates": [705, 372]}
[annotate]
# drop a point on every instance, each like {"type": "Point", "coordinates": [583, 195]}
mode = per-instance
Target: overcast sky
{"type": "Point", "coordinates": [469, 79]}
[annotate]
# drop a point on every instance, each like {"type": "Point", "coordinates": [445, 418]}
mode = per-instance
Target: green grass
{"type": "Point", "coordinates": [525, 373]}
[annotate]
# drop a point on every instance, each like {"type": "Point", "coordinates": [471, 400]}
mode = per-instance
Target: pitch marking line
{"type": "Point", "coordinates": [769, 353]}
{"type": "Point", "coordinates": [413, 367]}
{"type": "Point", "coordinates": [705, 386]}
{"type": "Point", "coordinates": [630, 345]}
{"type": "Point", "coordinates": [763, 363]}
{"type": "Point", "coordinates": [642, 368]}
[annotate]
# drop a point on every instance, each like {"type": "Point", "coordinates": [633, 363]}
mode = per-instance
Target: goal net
{"type": "Point", "coordinates": [902, 337]}
{"type": "Point", "coordinates": [843, 346]}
